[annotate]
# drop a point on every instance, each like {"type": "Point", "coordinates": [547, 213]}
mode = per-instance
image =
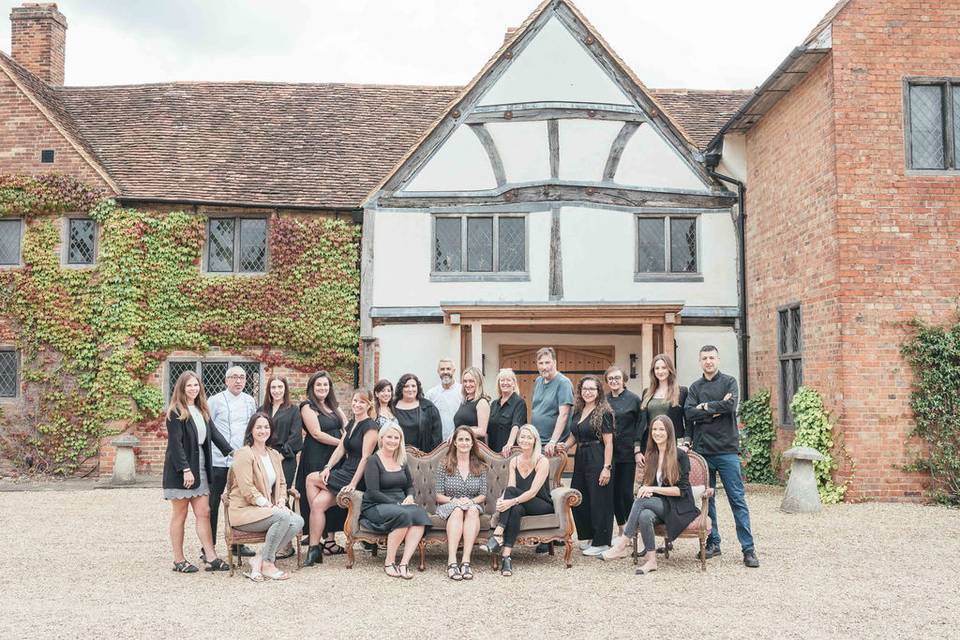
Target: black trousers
{"type": "Point", "coordinates": [510, 519]}
{"type": "Point", "coordinates": [289, 468]}
{"type": "Point", "coordinates": [594, 516]}
{"type": "Point", "coordinates": [622, 481]}
{"type": "Point", "coordinates": [217, 484]}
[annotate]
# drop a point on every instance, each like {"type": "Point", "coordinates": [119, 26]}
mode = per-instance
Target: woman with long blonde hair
{"type": "Point", "coordinates": [474, 412]}
{"type": "Point", "coordinates": [527, 494]}
{"type": "Point", "coordinates": [507, 413]}
{"type": "Point", "coordinates": [388, 505]}
{"type": "Point", "coordinates": [461, 491]}
{"type": "Point", "coordinates": [665, 497]}
{"type": "Point", "coordinates": [187, 468]}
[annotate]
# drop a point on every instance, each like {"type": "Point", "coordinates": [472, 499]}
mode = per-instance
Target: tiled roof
{"type": "Point", "coordinates": [259, 143]}
{"type": "Point", "coordinates": [275, 144]}
{"type": "Point", "coordinates": [701, 112]}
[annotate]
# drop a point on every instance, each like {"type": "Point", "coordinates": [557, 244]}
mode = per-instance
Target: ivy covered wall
{"type": "Point", "coordinates": [91, 338]}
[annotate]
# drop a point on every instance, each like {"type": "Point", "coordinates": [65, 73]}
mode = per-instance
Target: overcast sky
{"type": "Point", "coordinates": [706, 44]}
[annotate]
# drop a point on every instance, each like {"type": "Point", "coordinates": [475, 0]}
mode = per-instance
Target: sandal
{"type": "Point", "coordinates": [506, 566]}
{"type": "Point", "coordinates": [406, 575]}
{"type": "Point", "coordinates": [217, 565]}
{"type": "Point", "coordinates": [493, 544]}
{"type": "Point", "coordinates": [387, 567]}
{"type": "Point", "coordinates": [331, 548]}
{"type": "Point", "coordinates": [184, 567]}
{"type": "Point", "coordinates": [465, 571]}
{"type": "Point", "coordinates": [453, 571]}
{"type": "Point", "coordinates": [277, 575]}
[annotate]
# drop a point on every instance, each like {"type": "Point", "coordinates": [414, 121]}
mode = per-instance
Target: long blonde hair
{"type": "Point", "coordinates": [535, 455]}
{"type": "Point", "coordinates": [178, 398]}
{"type": "Point", "coordinates": [401, 456]}
{"type": "Point", "coordinates": [480, 393]}
{"type": "Point", "coordinates": [673, 387]}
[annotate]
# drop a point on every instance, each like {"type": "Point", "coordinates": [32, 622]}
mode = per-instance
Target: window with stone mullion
{"type": "Point", "coordinates": [9, 373]}
{"type": "Point", "coordinates": [10, 233]}
{"type": "Point", "coordinates": [790, 355]}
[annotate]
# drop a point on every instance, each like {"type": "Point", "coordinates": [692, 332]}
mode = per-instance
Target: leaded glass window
{"type": "Point", "coordinates": [933, 124]}
{"type": "Point", "coordinates": [81, 241]}
{"type": "Point", "coordinates": [667, 245]}
{"type": "Point", "coordinates": [479, 244]}
{"type": "Point", "coordinates": [9, 373]}
{"type": "Point", "coordinates": [10, 234]}
{"type": "Point", "coordinates": [237, 245]}
{"type": "Point", "coordinates": [790, 353]}
{"type": "Point", "coordinates": [213, 374]}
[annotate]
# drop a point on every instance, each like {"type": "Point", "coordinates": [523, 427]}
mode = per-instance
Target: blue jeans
{"type": "Point", "coordinates": [728, 466]}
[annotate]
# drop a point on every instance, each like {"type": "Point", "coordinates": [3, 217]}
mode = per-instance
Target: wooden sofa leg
{"type": "Point", "coordinates": [230, 558]}
{"type": "Point", "coordinates": [703, 552]}
{"type": "Point", "coordinates": [349, 553]}
{"type": "Point", "coordinates": [567, 552]}
{"type": "Point", "coordinates": [422, 545]}
{"type": "Point", "coordinates": [666, 548]}
{"type": "Point", "coordinates": [636, 549]}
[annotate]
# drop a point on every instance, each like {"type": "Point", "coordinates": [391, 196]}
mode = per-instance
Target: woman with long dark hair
{"type": "Point", "coordinates": [258, 497]}
{"type": "Point", "coordinates": [461, 490]}
{"type": "Point", "coordinates": [665, 497]}
{"type": "Point", "coordinates": [323, 422]}
{"type": "Point", "coordinates": [664, 396]}
{"type": "Point", "coordinates": [418, 417]}
{"type": "Point", "coordinates": [287, 424]}
{"type": "Point", "coordinates": [344, 469]}
{"type": "Point", "coordinates": [383, 400]}
{"type": "Point", "coordinates": [591, 429]}
{"type": "Point", "coordinates": [187, 469]}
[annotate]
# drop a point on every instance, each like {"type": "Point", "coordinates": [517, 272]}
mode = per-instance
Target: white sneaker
{"type": "Point", "coordinates": [584, 544]}
{"type": "Point", "coordinates": [615, 553]}
{"type": "Point", "coordinates": [595, 551]}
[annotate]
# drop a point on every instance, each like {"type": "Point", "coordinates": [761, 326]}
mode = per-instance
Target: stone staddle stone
{"type": "Point", "coordinates": [125, 462]}
{"type": "Point", "coordinates": [801, 495]}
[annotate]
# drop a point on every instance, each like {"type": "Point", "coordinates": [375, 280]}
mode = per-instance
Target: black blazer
{"type": "Point", "coordinates": [422, 429]}
{"type": "Point", "coordinates": [287, 430]}
{"type": "Point", "coordinates": [681, 510]}
{"type": "Point", "coordinates": [676, 416]}
{"type": "Point", "coordinates": [183, 451]}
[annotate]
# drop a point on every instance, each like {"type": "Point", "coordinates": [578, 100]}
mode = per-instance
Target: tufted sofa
{"type": "Point", "coordinates": [423, 468]}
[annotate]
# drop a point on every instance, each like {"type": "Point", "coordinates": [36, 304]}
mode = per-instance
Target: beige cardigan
{"type": "Point", "coordinates": [248, 481]}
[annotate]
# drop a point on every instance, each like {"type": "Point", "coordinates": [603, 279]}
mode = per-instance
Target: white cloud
{"type": "Point", "coordinates": [693, 43]}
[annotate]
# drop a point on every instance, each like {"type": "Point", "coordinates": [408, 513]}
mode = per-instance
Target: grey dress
{"type": "Point", "coordinates": [453, 485]}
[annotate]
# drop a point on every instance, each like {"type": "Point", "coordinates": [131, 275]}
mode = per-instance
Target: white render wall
{"type": "Point", "coordinates": [599, 248]}
{"type": "Point", "coordinates": [649, 161]}
{"type": "Point", "coordinates": [554, 66]}
{"type": "Point", "coordinates": [415, 348]}
{"type": "Point", "coordinates": [460, 164]}
{"type": "Point", "coordinates": [689, 340]}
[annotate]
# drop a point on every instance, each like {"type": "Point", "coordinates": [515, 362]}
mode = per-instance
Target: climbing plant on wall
{"type": "Point", "coordinates": [757, 436]}
{"type": "Point", "coordinates": [934, 356]}
{"type": "Point", "coordinates": [90, 338]}
{"type": "Point", "coordinates": [813, 429]}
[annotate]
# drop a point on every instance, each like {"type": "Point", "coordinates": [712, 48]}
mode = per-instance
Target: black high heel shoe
{"type": "Point", "coordinates": [506, 566]}
{"type": "Point", "coordinates": [314, 556]}
{"type": "Point", "coordinates": [493, 544]}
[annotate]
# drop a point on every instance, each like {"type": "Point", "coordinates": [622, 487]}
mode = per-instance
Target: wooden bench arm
{"type": "Point", "coordinates": [293, 493]}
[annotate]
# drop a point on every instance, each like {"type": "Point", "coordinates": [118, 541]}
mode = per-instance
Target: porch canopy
{"type": "Point", "coordinates": [654, 323]}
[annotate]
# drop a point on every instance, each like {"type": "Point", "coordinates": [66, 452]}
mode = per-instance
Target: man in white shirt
{"type": "Point", "coordinates": [230, 410]}
{"type": "Point", "coordinates": [447, 395]}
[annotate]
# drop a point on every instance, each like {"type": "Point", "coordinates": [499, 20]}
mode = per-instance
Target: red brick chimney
{"type": "Point", "coordinates": [38, 35]}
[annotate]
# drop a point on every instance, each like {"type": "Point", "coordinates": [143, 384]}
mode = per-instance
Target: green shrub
{"type": "Point", "coordinates": [813, 429]}
{"type": "Point", "coordinates": [756, 438]}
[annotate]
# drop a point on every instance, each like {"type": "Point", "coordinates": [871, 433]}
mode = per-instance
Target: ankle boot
{"type": "Point", "coordinates": [314, 556]}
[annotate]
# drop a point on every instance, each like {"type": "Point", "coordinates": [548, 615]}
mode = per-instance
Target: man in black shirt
{"type": "Point", "coordinates": [711, 408]}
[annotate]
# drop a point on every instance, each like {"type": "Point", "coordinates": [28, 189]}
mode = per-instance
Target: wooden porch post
{"type": "Point", "coordinates": [668, 342]}
{"type": "Point", "coordinates": [476, 345]}
{"type": "Point", "coordinates": [646, 350]}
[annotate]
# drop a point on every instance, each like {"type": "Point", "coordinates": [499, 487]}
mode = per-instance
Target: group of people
{"type": "Point", "coordinates": [320, 449]}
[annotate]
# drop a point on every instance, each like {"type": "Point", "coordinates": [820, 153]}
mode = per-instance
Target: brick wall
{"type": "Point", "coordinates": [38, 36]}
{"type": "Point", "coordinates": [899, 235]}
{"type": "Point", "coordinates": [25, 131]}
{"type": "Point", "coordinates": [791, 243]}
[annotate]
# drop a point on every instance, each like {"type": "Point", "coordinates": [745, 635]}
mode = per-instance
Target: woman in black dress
{"type": "Point", "coordinates": [287, 424]}
{"type": "Point", "coordinates": [591, 429]}
{"type": "Point", "coordinates": [625, 405]}
{"type": "Point", "coordinates": [388, 505]}
{"type": "Point", "coordinates": [418, 417]}
{"type": "Point", "coordinates": [474, 411]}
{"type": "Point", "coordinates": [383, 396]}
{"type": "Point", "coordinates": [507, 414]}
{"type": "Point", "coordinates": [665, 497]}
{"type": "Point", "coordinates": [323, 422]}
{"type": "Point", "coordinates": [344, 469]}
{"type": "Point", "coordinates": [527, 494]}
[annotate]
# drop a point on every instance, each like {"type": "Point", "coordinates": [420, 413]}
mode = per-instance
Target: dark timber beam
{"type": "Point", "coordinates": [560, 193]}
{"type": "Point", "coordinates": [616, 149]}
{"type": "Point", "coordinates": [491, 148]}
{"type": "Point", "coordinates": [553, 141]}
{"type": "Point", "coordinates": [527, 111]}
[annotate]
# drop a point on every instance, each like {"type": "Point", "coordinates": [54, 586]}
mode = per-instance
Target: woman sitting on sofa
{"type": "Point", "coordinates": [388, 505]}
{"type": "Point", "coordinates": [461, 490]}
{"type": "Point", "coordinates": [527, 494]}
{"type": "Point", "coordinates": [258, 494]}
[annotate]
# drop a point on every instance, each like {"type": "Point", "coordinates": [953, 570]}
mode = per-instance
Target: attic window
{"type": "Point", "coordinates": [46, 156]}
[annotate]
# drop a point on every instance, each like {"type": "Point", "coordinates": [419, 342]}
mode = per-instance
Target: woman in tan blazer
{"type": "Point", "coordinates": [258, 497]}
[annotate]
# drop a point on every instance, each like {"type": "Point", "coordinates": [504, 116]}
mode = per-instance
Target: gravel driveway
{"type": "Point", "coordinates": [97, 564]}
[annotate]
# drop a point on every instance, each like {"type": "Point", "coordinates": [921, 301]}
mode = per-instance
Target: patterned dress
{"type": "Point", "coordinates": [453, 485]}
